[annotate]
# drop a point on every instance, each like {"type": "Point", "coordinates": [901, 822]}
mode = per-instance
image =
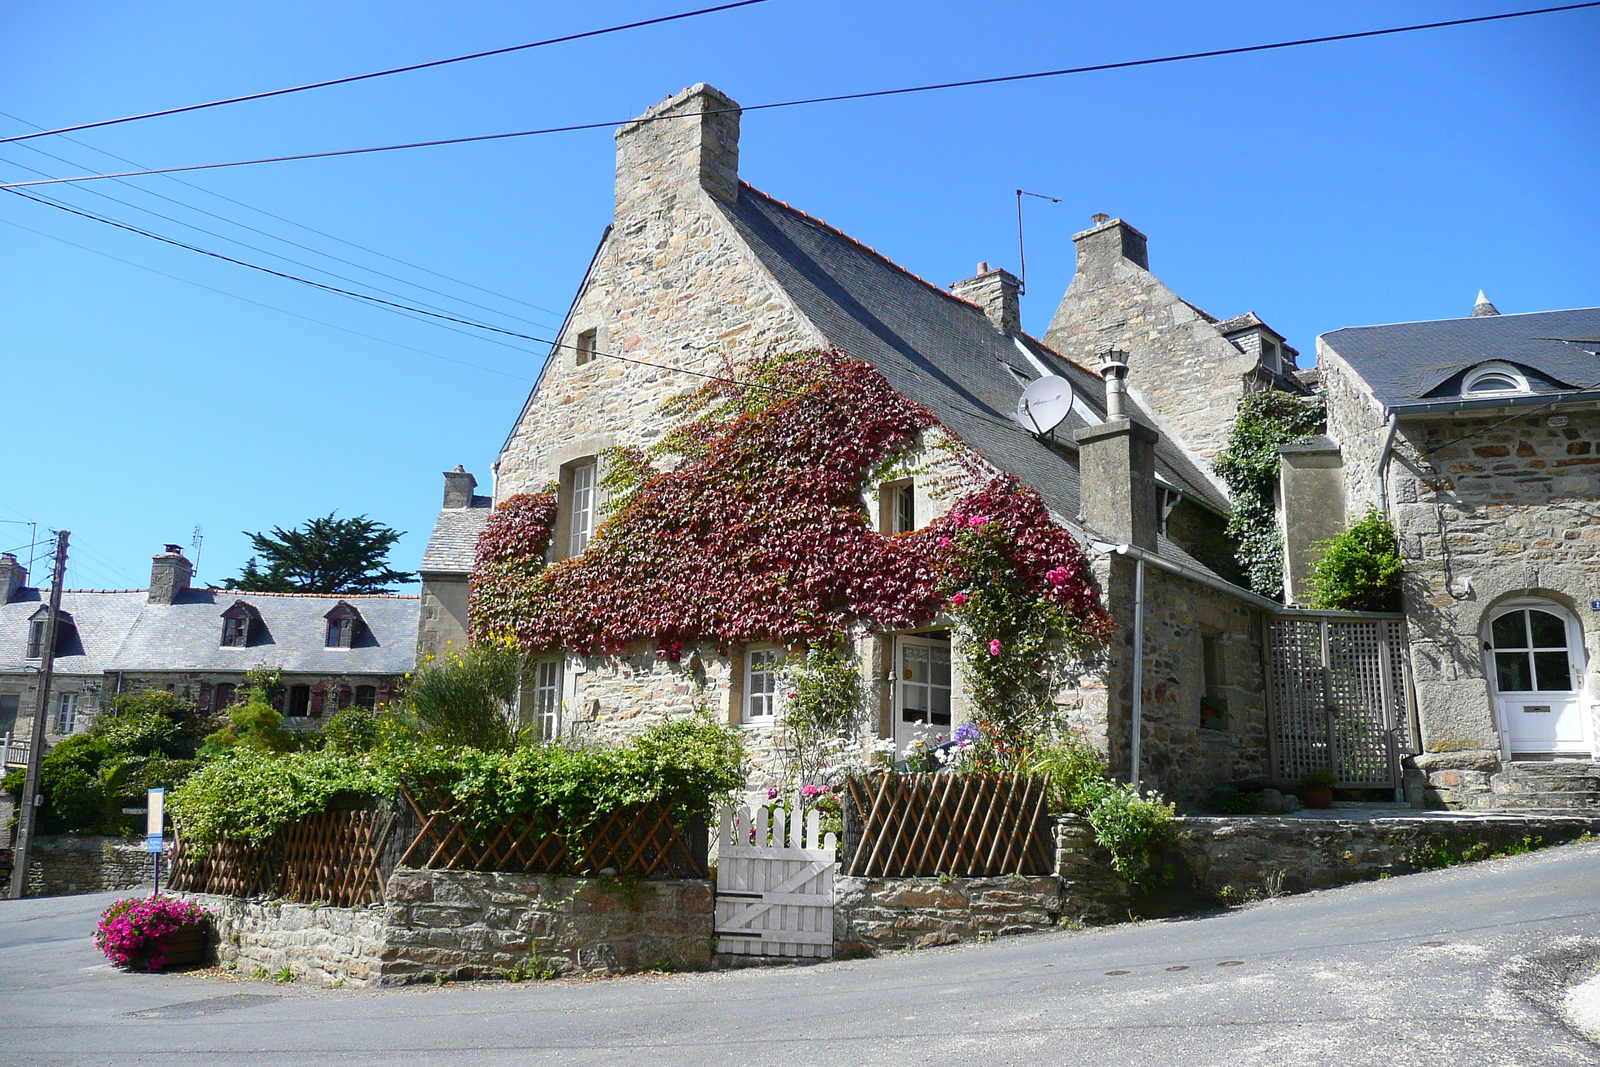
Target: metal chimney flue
{"type": "Point", "coordinates": [1114, 369]}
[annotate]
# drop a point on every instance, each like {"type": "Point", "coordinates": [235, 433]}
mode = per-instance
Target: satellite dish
{"type": "Point", "coordinates": [1045, 403]}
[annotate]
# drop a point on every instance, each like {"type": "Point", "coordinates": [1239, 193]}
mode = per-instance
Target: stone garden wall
{"type": "Point", "coordinates": [884, 914]}
{"type": "Point", "coordinates": [70, 864]}
{"type": "Point", "coordinates": [462, 925]}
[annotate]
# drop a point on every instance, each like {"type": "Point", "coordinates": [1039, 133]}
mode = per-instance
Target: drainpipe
{"type": "Point", "coordinates": [1383, 462]}
{"type": "Point", "coordinates": [1138, 670]}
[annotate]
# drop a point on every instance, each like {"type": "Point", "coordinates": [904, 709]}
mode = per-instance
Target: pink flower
{"type": "Point", "coordinates": [959, 599]}
{"type": "Point", "coordinates": [793, 695]}
{"type": "Point", "coordinates": [994, 647]}
{"type": "Point", "coordinates": [957, 518]}
{"type": "Point", "coordinates": [809, 791]}
{"type": "Point", "coordinates": [1057, 577]}
{"type": "Point", "coordinates": [976, 521]}
{"type": "Point", "coordinates": [944, 542]}
{"type": "Point", "coordinates": [772, 792]}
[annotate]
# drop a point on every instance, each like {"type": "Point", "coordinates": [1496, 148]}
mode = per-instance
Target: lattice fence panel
{"type": "Point", "coordinates": [641, 842]}
{"type": "Point", "coordinates": [928, 824]}
{"type": "Point", "coordinates": [336, 857]}
{"type": "Point", "coordinates": [231, 868]}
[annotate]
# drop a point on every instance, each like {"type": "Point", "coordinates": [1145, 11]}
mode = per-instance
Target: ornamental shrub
{"type": "Point", "coordinates": [465, 696]}
{"type": "Point", "coordinates": [1360, 569]}
{"type": "Point", "coordinates": [132, 929]}
{"type": "Point", "coordinates": [1249, 466]}
{"type": "Point", "coordinates": [1131, 826]}
{"type": "Point", "coordinates": [823, 705]}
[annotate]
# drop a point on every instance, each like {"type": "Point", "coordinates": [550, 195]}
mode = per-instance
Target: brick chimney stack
{"type": "Point", "coordinates": [170, 572]}
{"type": "Point", "coordinates": [1117, 470]}
{"type": "Point", "coordinates": [687, 142]}
{"type": "Point", "coordinates": [458, 487]}
{"type": "Point", "coordinates": [13, 576]}
{"type": "Point", "coordinates": [998, 292]}
{"type": "Point", "coordinates": [1109, 241]}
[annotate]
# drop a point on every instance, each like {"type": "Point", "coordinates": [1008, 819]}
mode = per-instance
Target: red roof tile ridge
{"type": "Point", "coordinates": [1063, 357]}
{"type": "Point", "coordinates": [313, 596]}
{"type": "Point", "coordinates": [913, 275]}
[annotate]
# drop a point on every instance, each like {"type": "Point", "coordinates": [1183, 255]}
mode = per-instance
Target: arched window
{"type": "Point", "coordinates": [1494, 379]}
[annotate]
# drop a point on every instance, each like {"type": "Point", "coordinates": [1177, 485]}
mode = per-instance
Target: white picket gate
{"type": "Point", "coordinates": [774, 883]}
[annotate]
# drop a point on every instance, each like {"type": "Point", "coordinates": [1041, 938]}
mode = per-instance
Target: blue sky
{"type": "Point", "coordinates": [1344, 184]}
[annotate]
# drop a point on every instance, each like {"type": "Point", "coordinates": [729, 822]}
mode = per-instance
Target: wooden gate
{"type": "Point", "coordinates": [1340, 697]}
{"type": "Point", "coordinates": [774, 883]}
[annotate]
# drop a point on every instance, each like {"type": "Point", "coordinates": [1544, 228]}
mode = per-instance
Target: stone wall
{"type": "Point", "coordinates": [885, 914]}
{"type": "Point", "coordinates": [465, 925]}
{"type": "Point", "coordinates": [70, 864]}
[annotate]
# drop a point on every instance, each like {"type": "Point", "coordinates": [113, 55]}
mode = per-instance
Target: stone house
{"type": "Point", "coordinates": [698, 266]}
{"type": "Point", "coordinates": [333, 651]}
{"type": "Point", "coordinates": [1479, 438]}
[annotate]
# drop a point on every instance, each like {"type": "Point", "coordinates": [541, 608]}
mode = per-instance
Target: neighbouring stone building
{"type": "Point", "coordinates": [698, 267]}
{"type": "Point", "coordinates": [333, 651]}
{"type": "Point", "coordinates": [1480, 438]}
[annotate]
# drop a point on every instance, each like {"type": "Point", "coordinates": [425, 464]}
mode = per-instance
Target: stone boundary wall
{"type": "Point", "coordinates": [67, 864]}
{"type": "Point", "coordinates": [464, 925]}
{"type": "Point", "coordinates": [885, 914]}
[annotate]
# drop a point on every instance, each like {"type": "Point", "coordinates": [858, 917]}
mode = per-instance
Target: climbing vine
{"type": "Point", "coordinates": [1249, 466]}
{"type": "Point", "coordinates": [746, 523]}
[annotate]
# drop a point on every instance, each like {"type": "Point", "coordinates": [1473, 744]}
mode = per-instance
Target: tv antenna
{"type": "Point", "coordinates": [1044, 404]}
{"type": "Point", "coordinates": [194, 544]}
{"type": "Point", "coordinates": [1022, 257]}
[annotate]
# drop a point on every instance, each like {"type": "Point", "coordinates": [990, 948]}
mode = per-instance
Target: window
{"type": "Point", "coordinates": [586, 346]}
{"type": "Point", "coordinates": [582, 520]}
{"type": "Point", "coordinates": [299, 701]}
{"type": "Point", "coordinates": [9, 703]}
{"type": "Point", "coordinates": [1494, 379]}
{"type": "Point", "coordinates": [341, 632]}
{"type": "Point", "coordinates": [1213, 703]}
{"type": "Point", "coordinates": [225, 695]}
{"type": "Point", "coordinates": [235, 631]}
{"type": "Point", "coordinates": [366, 696]}
{"type": "Point", "coordinates": [760, 684]}
{"type": "Point", "coordinates": [35, 638]}
{"type": "Point", "coordinates": [897, 507]}
{"type": "Point", "coordinates": [1531, 653]}
{"type": "Point", "coordinates": [67, 713]}
{"type": "Point", "coordinates": [547, 698]}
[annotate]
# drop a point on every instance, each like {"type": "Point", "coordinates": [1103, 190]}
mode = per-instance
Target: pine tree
{"type": "Point", "coordinates": [327, 555]}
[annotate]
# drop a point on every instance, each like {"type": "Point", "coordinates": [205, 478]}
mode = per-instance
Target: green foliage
{"type": "Point", "coordinates": [1360, 569]}
{"type": "Point", "coordinates": [823, 706]}
{"type": "Point", "coordinates": [1249, 466]}
{"type": "Point", "coordinates": [138, 741]}
{"type": "Point", "coordinates": [464, 697]}
{"type": "Point", "coordinates": [530, 967]}
{"type": "Point", "coordinates": [1319, 780]}
{"type": "Point", "coordinates": [326, 555]}
{"type": "Point", "coordinates": [254, 726]}
{"type": "Point", "coordinates": [691, 763]}
{"type": "Point", "coordinates": [1231, 801]}
{"type": "Point", "coordinates": [1132, 827]}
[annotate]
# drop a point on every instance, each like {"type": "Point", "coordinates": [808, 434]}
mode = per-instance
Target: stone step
{"type": "Point", "coordinates": [1532, 784]}
{"type": "Point", "coordinates": [1544, 801]}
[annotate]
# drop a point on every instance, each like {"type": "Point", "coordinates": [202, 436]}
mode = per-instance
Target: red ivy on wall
{"type": "Point", "coordinates": [758, 532]}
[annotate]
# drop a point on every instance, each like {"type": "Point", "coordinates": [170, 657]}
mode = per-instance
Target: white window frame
{"type": "Point", "coordinates": [760, 698]}
{"type": "Point", "coordinates": [582, 498]}
{"type": "Point", "coordinates": [66, 713]}
{"type": "Point", "coordinates": [548, 677]}
{"type": "Point", "coordinates": [1469, 390]}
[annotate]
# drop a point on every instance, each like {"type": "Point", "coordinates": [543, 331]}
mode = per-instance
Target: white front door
{"type": "Point", "coordinates": [1537, 672]}
{"type": "Point", "coordinates": [921, 689]}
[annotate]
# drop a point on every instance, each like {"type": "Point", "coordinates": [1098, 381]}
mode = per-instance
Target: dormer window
{"type": "Point", "coordinates": [344, 622]}
{"type": "Point", "coordinates": [38, 622]}
{"type": "Point", "coordinates": [1494, 379]}
{"type": "Point", "coordinates": [35, 638]}
{"type": "Point", "coordinates": [236, 625]}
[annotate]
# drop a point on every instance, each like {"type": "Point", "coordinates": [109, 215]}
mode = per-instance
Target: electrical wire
{"type": "Point", "coordinates": [385, 73]}
{"type": "Point", "coordinates": [836, 98]}
{"type": "Point", "coordinates": [297, 225]}
{"type": "Point", "coordinates": [554, 344]}
{"type": "Point", "coordinates": [1433, 450]}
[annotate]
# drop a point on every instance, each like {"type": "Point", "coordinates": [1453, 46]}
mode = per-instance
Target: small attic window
{"type": "Point", "coordinates": [343, 623]}
{"type": "Point", "coordinates": [1494, 379]}
{"type": "Point", "coordinates": [35, 638]}
{"type": "Point", "coordinates": [586, 346]}
{"type": "Point", "coordinates": [236, 625]}
{"type": "Point", "coordinates": [37, 624]}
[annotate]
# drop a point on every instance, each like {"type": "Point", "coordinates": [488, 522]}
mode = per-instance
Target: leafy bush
{"type": "Point", "coordinates": [131, 929]}
{"type": "Point", "coordinates": [253, 726]}
{"type": "Point", "coordinates": [1231, 801]}
{"type": "Point", "coordinates": [1249, 466]}
{"type": "Point", "coordinates": [1131, 826]}
{"type": "Point", "coordinates": [823, 704]}
{"type": "Point", "coordinates": [464, 697]}
{"type": "Point", "coordinates": [1360, 569]}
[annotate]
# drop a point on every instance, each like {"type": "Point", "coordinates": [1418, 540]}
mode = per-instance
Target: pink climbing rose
{"type": "Point", "coordinates": [1057, 577]}
{"type": "Point", "coordinates": [959, 599]}
{"type": "Point", "coordinates": [994, 647]}
{"type": "Point", "coordinates": [976, 521]}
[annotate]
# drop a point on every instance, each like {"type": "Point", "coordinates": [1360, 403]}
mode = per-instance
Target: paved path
{"type": "Point", "coordinates": [1422, 970]}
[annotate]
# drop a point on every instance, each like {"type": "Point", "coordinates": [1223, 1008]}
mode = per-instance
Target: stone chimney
{"type": "Point", "coordinates": [13, 576]}
{"type": "Point", "coordinates": [1105, 243]}
{"type": "Point", "coordinates": [169, 575]}
{"type": "Point", "coordinates": [1117, 470]}
{"type": "Point", "coordinates": [458, 487]}
{"type": "Point", "coordinates": [686, 142]}
{"type": "Point", "coordinates": [1481, 308]}
{"type": "Point", "coordinates": [998, 292]}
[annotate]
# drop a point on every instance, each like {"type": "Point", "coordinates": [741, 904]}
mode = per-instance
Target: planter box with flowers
{"type": "Point", "coordinates": [155, 933]}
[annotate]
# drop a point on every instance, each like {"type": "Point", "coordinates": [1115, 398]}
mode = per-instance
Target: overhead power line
{"type": "Point", "coordinates": [385, 73]}
{"type": "Point", "coordinates": [836, 98]}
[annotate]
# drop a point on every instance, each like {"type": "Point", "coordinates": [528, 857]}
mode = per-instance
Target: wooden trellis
{"type": "Point", "coordinates": [231, 868]}
{"type": "Point", "coordinates": [928, 824]}
{"type": "Point", "coordinates": [336, 857]}
{"type": "Point", "coordinates": [641, 842]}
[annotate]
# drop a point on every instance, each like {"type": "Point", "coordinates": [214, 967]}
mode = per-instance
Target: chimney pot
{"type": "Point", "coordinates": [1098, 217]}
{"type": "Point", "coordinates": [13, 576]}
{"type": "Point", "coordinates": [1114, 369]}
{"type": "Point", "coordinates": [983, 266]}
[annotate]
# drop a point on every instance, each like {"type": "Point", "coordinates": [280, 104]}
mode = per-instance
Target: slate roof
{"type": "Point", "coordinates": [453, 545]}
{"type": "Point", "coordinates": [119, 630]}
{"type": "Point", "coordinates": [938, 350]}
{"type": "Point", "coordinates": [1408, 361]}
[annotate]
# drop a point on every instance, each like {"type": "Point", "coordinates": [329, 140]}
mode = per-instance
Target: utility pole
{"type": "Point", "coordinates": [29, 816]}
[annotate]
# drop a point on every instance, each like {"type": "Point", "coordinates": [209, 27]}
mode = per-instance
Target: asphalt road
{"type": "Point", "coordinates": [1440, 968]}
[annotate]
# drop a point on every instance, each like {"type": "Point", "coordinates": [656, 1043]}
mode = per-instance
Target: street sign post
{"type": "Point", "coordinates": [154, 816]}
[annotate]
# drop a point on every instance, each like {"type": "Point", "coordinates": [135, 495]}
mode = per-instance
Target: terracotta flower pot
{"type": "Point", "coordinates": [1317, 796]}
